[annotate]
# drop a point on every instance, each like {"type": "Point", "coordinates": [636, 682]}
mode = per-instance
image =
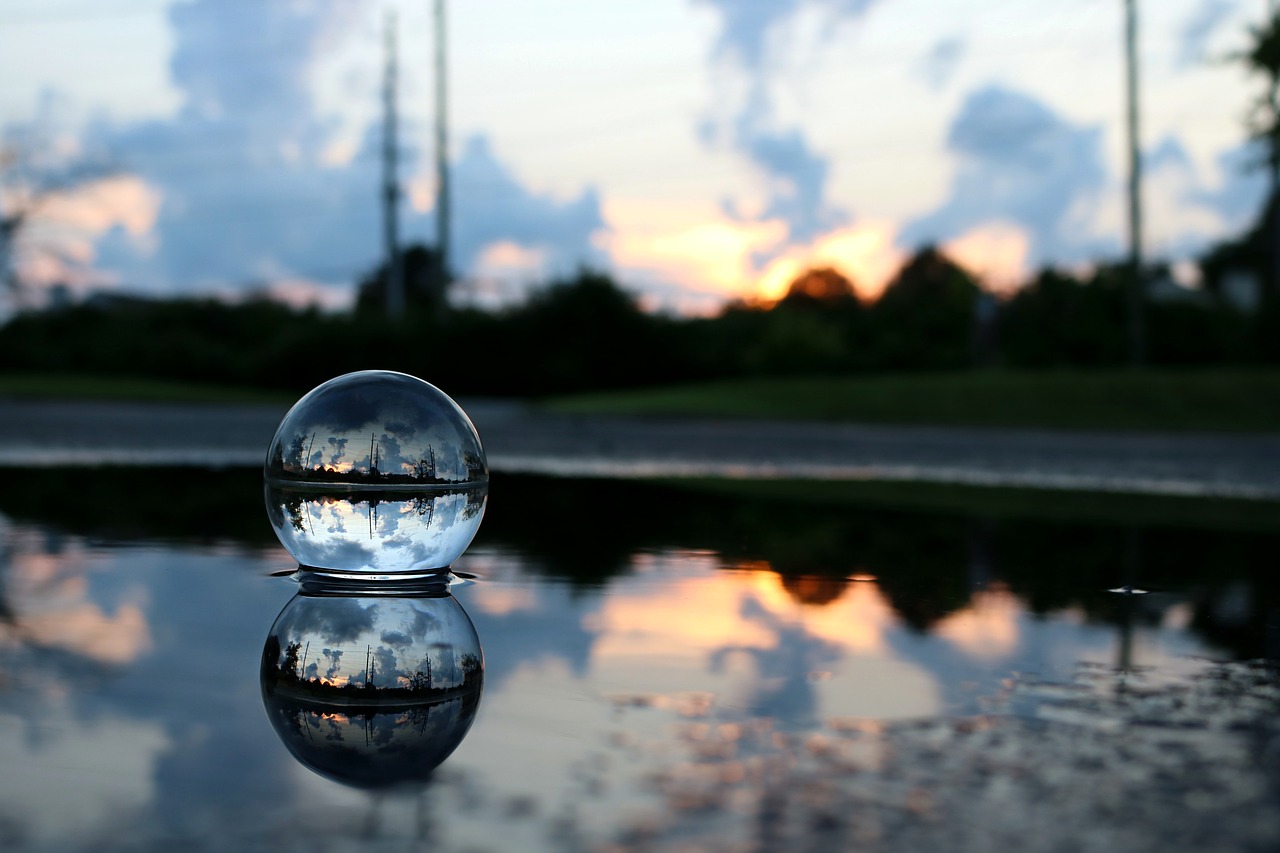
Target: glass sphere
{"type": "Point", "coordinates": [376, 472]}
{"type": "Point", "coordinates": [372, 691]}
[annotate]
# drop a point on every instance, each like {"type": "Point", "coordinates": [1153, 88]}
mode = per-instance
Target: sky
{"type": "Point", "coordinates": [698, 150]}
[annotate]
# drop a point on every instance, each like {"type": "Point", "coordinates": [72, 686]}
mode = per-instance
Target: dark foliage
{"type": "Point", "coordinates": [926, 317]}
{"type": "Point", "coordinates": [585, 332]}
{"type": "Point", "coordinates": [586, 532]}
{"type": "Point", "coordinates": [426, 282]}
{"type": "Point", "coordinates": [1059, 320]}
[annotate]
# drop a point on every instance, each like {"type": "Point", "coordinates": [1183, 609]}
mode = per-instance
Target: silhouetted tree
{"type": "Point", "coordinates": [426, 283]}
{"type": "Point", "coordinates": [1262, 58]}
{"type": "Point", "coordinates": [470, 666]}
{"type": "Point", "coordinates": [813, 329]}
{"type": "Point", "coordinates": [584, 332]}
{"type": "Point", "coordinates": [823, 286]}
{"type": "Point", "coordinates": [925, 317]}
{"type": "Point", "coordinates": [289, 667]}
{"type": "Point", "coordinates": [1059, 320]}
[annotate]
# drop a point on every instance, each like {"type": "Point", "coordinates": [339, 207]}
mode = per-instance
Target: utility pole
{"type": "Point", "coordinates": [442, 144]}
{"type": "Point", "coordinates": [1137, 288]}
{"type": "Point", "coordinates": [390, 179]}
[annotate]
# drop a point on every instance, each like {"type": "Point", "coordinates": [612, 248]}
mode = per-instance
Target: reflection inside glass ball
{"type": "Point", "coordinates": [375, 531]}
{"type": "Point", "coordinates": [372, 690]}
{"type": "Point", "coordinates": [376, 471]}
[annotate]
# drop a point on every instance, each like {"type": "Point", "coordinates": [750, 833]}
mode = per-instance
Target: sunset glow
{"type": "Point", "coordinates": [70, 224]}
{"type": "Point", "coordinates": [699, 249]}
{"type": "Point", "coordinates": [53, 596]}
{"type": "Point", "coordinates": [742, 609]}
{"type": "Point", "coordinates": [997, 254]}
{"type": "Point", "coordinates": [864, 253]}
{"type": "Point", "coordinates": [988, 628]}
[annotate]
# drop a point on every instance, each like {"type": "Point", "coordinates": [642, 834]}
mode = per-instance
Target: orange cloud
{"type": "Point", "coordinates": [86, 630]}
{"type": "Point", "coordinates": [996, 253]}
{"type": "Point", "coordinates": [864, 252]}
{"type": "Point", "coordinates": [302, 293]}
{"type": "Point", "coordinates": [699, 249]}
{"type": "Point", "coordinates": [50, 595]}
{"type": "Point", "coordinates": [703, 250]}
{"type": "Point", "coordinates": [988, 628]}
{"type": "Point", "coordinates": [74, 219]}
{"type": "Point", "coordinates": [497, 600]}
{"type": "Point", "coordinates": [123, 200]}
{"type": "Point", "coordinates": [506, 259]}
{"type": "Point", "coordinates": [692, 617]}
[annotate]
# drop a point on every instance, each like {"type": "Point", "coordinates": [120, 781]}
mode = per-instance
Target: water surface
{"type": "Point", "coordinates": [634, 635]}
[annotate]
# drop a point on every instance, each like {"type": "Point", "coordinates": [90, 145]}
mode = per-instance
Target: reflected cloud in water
{"type": "Point", "coordinates": [757, 641]}
{"type": "Point", "coordinates": [46, 605]}
{"type": "Point", "coordinates": [988, 628]}
{"type": "Point", "coordinates": [372, 686]}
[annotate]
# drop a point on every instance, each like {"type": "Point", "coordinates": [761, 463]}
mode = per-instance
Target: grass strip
{"type": "Point", "coordinates": [44, 386]}
{"type": "Point", "coordinates": [1105, 508]}
{"type": "Point", "coordinates": [1232, 400]}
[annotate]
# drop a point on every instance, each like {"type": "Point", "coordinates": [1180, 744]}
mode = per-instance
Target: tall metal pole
{"type": "Point", "coordinates": [442, 143]}
{"type": "Point", "coordinates": [1137, 289]}
{"type": "Point", "coordinates": [390, 179]}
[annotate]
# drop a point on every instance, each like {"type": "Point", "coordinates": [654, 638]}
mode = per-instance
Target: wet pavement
{"type": "Point", "coordinates": [525, 439]}
{"type": "Point", "coordinates": [1133, 761]}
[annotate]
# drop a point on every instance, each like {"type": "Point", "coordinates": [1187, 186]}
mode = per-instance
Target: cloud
{"type": "Point", "coordinates": [1030, 187]}
{"type": "Point", "coordinates": [257, 186]}
{"type": "Point", "coordinates": [1191, 207]}
{"type": "Point", "coordinates": [498, 210]}
{"type": "Point", "coordinates": [798, 178]}
{"type": "Point", "coordinates": [241, 168]}
{"type": "Point", "coordinates": [752, 40]}
{"type": "Point", "coordinates": [1018, 161]}
{"type": "Point", "coordinates": [1199, 28]}
{"type": "Point", "coordinates": [939, 65]}
{"type": "Point", "coordinates": [335, 622]}
{"type": "Point", "coordinates": [1239, 195]}
{"type": "Point", "coordinates": [864, 252]}
{"type": "Point", "coordinates": [689, 257]}
{"type": "Point", "coordinates": [996, 252]}
{"type": "Point", "coordinates": [60, 243]}
{"type": "Point", "coordinates": [396, 639]}
{"type": "Point", "coordinates": [334, 656]}
{"type": "Point", "coordinates": [747, 25]}
{"type": "Point", "coordinates": [117, 200]}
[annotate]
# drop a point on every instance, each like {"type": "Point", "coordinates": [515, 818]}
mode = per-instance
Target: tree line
{"type": "Point", "coordinates": [587, 332]}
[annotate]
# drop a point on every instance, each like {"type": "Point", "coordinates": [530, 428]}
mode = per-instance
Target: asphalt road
{"type": "Point", "coordinates": [518, 438]}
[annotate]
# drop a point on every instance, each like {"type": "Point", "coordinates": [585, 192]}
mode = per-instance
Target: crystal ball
{"type": "Point", "coordinates": [371, 690]}
{"type": "Point", "coordinates": [376, 472]}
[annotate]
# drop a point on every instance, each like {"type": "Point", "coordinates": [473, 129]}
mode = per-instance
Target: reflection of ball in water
{"type": "Point", "coordinates": [372, 691]}
{"type": "Point", "coordinates": [376, 471]}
